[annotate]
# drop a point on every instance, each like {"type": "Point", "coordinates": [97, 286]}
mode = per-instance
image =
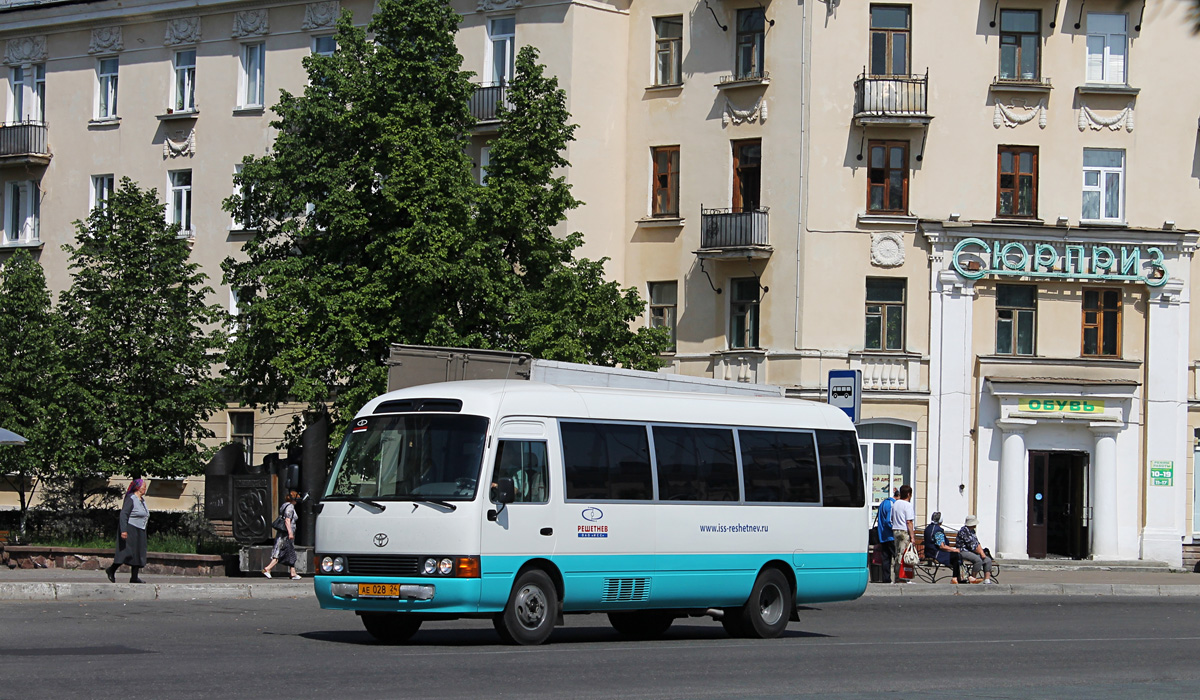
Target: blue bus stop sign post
{"type": "Point", "coordinates": [845, 392]}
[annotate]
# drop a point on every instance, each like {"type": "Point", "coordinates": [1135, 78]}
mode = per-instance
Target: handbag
{"type": "Point", "coordinates": [910, 556]}
{"type": "Point", "coordinates": [279, 523]}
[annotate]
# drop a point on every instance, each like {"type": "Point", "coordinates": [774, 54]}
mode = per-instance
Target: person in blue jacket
{"type": "Point", "coordinates": [887, 541]}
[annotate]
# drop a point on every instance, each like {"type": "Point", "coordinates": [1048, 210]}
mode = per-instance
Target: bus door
{"type": "Point", "coordinates": [525, 528]}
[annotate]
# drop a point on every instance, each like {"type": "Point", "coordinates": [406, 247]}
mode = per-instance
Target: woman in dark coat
{"type": "Point", "coordinates": [285, 540]}
{"type": "Point", "coordinates": [131, 544]}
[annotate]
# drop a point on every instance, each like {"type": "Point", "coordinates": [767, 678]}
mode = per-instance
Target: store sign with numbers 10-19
{"type": "Point", "coordinates": [974, 259]}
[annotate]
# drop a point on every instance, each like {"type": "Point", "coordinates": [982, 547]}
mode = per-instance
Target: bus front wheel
{"type": "Point", "coordinates": [391, 628]}
{"type": "Point", "coordinates": [649, 624]}
{"type": "Point", "coordinates": [532, 609]}
{"type": "Point", "coordinates": [765, 615]}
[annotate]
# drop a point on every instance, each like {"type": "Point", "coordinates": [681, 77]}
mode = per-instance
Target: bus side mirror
{"type": "Point", "coordinates": [505, 493]}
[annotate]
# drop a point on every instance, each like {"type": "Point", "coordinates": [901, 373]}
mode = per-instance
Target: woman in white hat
{"type": "Point", "coordinates": [972, 552]}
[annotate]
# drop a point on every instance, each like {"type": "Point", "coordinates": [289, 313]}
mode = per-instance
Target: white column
{"type": "Point", "coordinates": [1104, 491]}
{"type": "Point", "coordinates": [1011, 534]}
{"type": "Point", "coordinates": [950, 394]}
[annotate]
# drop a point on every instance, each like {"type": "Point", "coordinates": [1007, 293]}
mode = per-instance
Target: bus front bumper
{"type": "Point", "coordinates": [394, 594]}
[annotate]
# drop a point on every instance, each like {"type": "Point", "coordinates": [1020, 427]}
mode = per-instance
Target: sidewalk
{"type": "Point", "coordinates": [76, 585]}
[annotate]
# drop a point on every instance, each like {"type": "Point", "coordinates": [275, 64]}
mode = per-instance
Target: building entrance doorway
{"type": "Point", "coordinates": [1059, 511]}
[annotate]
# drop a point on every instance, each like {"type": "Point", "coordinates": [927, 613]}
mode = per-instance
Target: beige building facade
{"type": "Point", "coordinates": [989, 208]}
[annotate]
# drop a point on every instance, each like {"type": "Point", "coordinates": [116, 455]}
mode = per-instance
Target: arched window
{"type": "Point", "coordinates": [888, 449]}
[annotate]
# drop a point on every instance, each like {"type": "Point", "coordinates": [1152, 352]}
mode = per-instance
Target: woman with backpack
{"type": "Point", "coordinates": [285, 538]}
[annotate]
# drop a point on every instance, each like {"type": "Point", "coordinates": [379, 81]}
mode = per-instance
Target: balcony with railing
{"type": "Point", "coordinates": [892, 100]}
{"type": "Point", "coordinates": [24, 143]}
{"type": "Point", "coordinates": [485, 104]}
{"type": "Point", "coordinates": [734, 233]}
{"type": "Point", "coordinates": [888, 371]}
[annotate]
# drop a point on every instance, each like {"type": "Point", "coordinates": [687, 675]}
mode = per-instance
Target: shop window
{"type": "Point", "coordinates": [1017, 181]}
{"type": "Point", "coordinates": [1016, 319]}
{"type": "Point", "coordinates": [1102, 323]}
{"type": "Point", "coordinates": [891, 27]}
{"type": "Point", "coordinates": [887, 177]}
{"type": "Point", "coordinates": [885, 314]}
{"type": "Point", "coordinates": [888, 449]}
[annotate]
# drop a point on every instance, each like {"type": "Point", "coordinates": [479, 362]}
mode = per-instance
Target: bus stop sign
{"type": "Point", "coordinates": [845, 392]}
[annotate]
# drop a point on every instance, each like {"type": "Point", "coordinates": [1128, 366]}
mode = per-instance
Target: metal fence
{"type": "Point", "coordinates": [726, 228]}
{"type": "Point", "coordinates": [486, 101]}
{"type": "Point", "coordinates": [26, 138]}
{"type": "Point", "coordinates": [896, 95]}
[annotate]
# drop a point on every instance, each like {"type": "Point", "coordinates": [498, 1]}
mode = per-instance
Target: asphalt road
{"type": "Point", "coordinates": [1010, 647]}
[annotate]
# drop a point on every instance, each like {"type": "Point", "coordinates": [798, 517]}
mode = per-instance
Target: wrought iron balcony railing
{"type": "Point", "coordinates": [728, 228]}
{"type": "Point", "coordinates": [24, 141]}
{"type": "Point", "coordinates": [900, 97]}
{"type": "Point", "coordinates": [485, 103]}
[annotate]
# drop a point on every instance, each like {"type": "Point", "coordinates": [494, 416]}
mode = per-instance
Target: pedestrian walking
{"type": "Point", "coordinates": [285, 539]}
{"type": "Point", "coordinates": [131, 538]}
{"type": "Point", "coordinates": [903, 515]}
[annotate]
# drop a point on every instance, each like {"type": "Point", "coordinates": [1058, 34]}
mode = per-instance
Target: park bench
{"type": "Point", "coordinates": [932, 570]}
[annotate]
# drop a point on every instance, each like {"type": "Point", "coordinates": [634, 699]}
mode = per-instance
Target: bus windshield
{"type": "Point", "coordinates": [415, 456]}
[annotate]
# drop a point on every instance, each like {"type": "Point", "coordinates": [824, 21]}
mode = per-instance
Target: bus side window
{"type": "Point", "coordinates": [524, 461]}
{"type": "Point", "coordinates": [779, 466]}
{"type": "Point", "coordinates": [841, 469]}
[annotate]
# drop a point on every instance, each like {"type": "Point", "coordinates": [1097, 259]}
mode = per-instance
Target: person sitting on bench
{"type": "Point", "coordinates": [936, 547]}
{"type": "Point", "coordinates": [973, 552]}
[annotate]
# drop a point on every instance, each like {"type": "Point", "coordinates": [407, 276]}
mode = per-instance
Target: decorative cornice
{"type": "Point", "coordinates": [180, 143]}
{"type": "Point", "coordinates": [106, 40]}
{"type": "Point", "coordinates": [26, 49]}
{"type": "Point", "coordinates": [321, 15]}
{"type": "Point", "coordinates": [1124, 118]}
{"type": "Point", "coordinates": [182, 30]}
{"type": "Point", "coordinates": [1007, 115]}
{"type": "Point", "coordinates": [495, 5]}
{"type": "Point", "coordinates": [249, 23]}
{"type": "Point", "coordinates": [756, 112]}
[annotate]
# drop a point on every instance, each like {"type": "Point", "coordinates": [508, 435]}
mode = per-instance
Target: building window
{"type": "Point", "coordinates": [185, 80]}
{"type": "Point", "coordinates": [1020, 45]}
{"type": "Point", "coordinates": [743, 312]}
{"type": "Point", "coordinates": [324, 45]}
{"type": "Point", "coordinates": [28, 103]}
{"type": "Point", "coordinates": [106, 95]}
{"type": "Point", "coordinates": [253, 75]}
{"type": "Point", "coordinates": [181, 201]}
{"type": "Point", "coordinates": [668, 49]}
{"type": "Point", "coordinates": [235, 224]}
{"type": "Point", "coordinates": [1103, 184]}
{"type": "Point", "coordinates": [887, 177]}
{"type": "Point", "coordinates": [747, 175]}
{"type": "Point", "coordinates": [885, 313]}
{"type": "Point", "coordinates": [485, 159]}
{"type": "Point", "coordinates": [1016, 319]}
{"type": "Point", "coordinates": [663, 303]}
{"type": "Point", "coordinates": [1016, 187]}
{"type": "Point", "coordinates": [241, 431]}
{"type": "Point", "coordinates": [751, 27]}
{"type": "Point", "coordinates": [22, 212]}
{"type": "Point", "coordinates": [888, 449]}
{"type": "Point", "coordinates": [1107, 43]}
{"type": "Point", "coordinates": [102, 189]}
{"type": "Point", "coordinates": [1102, 323]}
{"type": "Point", "coordinates": [666, 180]}
{"type": "Point", "coordinates": [502, 33]}
{"type": "Point", "coordinates": [891, 26]}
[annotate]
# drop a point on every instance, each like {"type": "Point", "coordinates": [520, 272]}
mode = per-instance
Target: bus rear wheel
{"type": "Point", "coordinates": [765, 615]}
{"type": "Point", "coordinates": [649, 624]}
{"type": "Point", "coordinates": [391, 628]}
{"type": "Point", "coordinates": [528, 617]}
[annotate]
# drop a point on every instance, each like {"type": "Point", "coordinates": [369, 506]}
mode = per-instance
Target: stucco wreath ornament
{"type": "Point", "coordinates": [887, 249]}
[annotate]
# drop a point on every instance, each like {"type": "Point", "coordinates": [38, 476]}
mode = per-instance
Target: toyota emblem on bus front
{"type": "Point", "coordinates": [381, 540]}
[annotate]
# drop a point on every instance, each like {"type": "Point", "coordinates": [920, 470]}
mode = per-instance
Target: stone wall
{"type": "Point", "coordinates": [167, 563]}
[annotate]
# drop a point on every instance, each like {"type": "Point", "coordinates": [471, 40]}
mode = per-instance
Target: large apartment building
{"type": "Point", "coordinates": [990, 208]}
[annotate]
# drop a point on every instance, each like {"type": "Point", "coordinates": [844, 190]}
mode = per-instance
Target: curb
{"type": "Point", "coordinates": [883, 590]}
{"type": "Point", "coordinates": [153, 591]}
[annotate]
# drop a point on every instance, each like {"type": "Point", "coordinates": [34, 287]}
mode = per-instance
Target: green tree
{"type": "Point", "coordinates": [32, 382]}
{"type": "Point", "coordinates": [367, 234]}
{"type": "Point", "coordinates": [141, 342]}
{"type": "Point", "coordinates": [553, 305]}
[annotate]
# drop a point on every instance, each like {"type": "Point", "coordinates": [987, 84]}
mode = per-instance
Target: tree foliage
{"type": "Point", "coordinates": [372, 231]}
{"type": "Point", "coordinates": [33, 382]}
{"type": "Point", "coordinates": [141, 342]}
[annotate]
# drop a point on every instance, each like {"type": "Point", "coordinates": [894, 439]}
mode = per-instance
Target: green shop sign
{"type": "Point", "coordinates": [1162, 472]}
{"type": "Point", "coordinates": [974, 259]}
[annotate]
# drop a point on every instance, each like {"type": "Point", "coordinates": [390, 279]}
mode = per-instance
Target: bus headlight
{"type": "Point", "coordinates": [430, 566]}
{"type": "Point", "coordinates": [445, 567]}
{"type": "Point", "coordinates": [326, 564]}
{"type": "Point", "coordinates": [339, 565]}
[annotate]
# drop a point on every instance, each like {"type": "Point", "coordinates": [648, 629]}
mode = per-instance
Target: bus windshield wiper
{"type": "Point", "coordinates": [369, 502]}
{"type": "Point", "coordinates": [427, 499]}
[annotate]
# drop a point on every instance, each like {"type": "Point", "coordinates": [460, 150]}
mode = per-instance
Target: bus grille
{"type": "Point", "coordinates": [382, 565]}
{"type": "Point", "coordinates": [625, 590]}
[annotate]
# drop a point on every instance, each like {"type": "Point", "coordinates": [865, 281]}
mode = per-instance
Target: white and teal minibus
{"type": "Point", "coordinates": [522, 501]}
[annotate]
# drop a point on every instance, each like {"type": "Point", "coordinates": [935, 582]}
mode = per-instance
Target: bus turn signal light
{"type": "Point", "coordinates": [467, 567]}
